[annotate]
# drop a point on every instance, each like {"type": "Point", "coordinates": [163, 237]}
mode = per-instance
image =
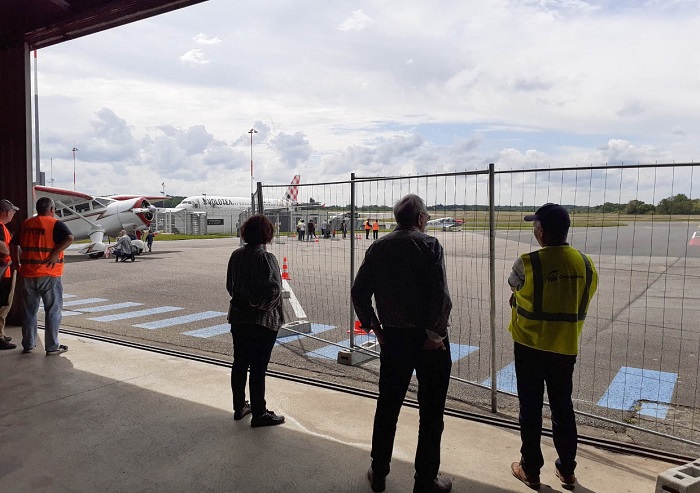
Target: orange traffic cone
{"type": "Point", "coordinates": [357, 330]}
{"type": "Point", "coordinates": [285, 274]}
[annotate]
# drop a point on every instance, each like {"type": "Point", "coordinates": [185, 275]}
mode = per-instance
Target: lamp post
{"type": "Point", "coordinates": [205, 200]}
{"type": "Point", "coordinates": [74, 150]}
{"type": "Point", "coordinates": [252, 179]}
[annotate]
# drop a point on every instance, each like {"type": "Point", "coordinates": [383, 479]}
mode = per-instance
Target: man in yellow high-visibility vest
{"type": "Point", "coordinates": [552, 288]}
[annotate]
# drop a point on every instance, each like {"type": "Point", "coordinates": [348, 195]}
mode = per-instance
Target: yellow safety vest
{"type": "Point", "coordinates": [551, 305]}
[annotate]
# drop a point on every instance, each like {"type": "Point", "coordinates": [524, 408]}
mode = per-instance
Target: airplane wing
{"type": "Point", "coordinates": [150, 198]}
{"type": "Point", "coordinates": [70, 198]}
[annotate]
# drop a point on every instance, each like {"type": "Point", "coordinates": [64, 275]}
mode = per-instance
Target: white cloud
{"type": "Point", "coordinates": [358, 21]}
{"type": "Point", "coordinates": [195, 56]}
{"type": "Point", "coordinates": [201, 39]}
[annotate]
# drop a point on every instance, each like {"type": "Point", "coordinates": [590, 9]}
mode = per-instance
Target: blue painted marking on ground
{"type": "Point", "coordinates": [212, 331]}
{"type": "Point", "coordinates": [83, 302]}
{"type": "Point", "coordinates": [631, 385]}
{"type": "Point", "coordinates": [169, 322]}
{"type": "Point", "coordinates": [457, 351]}
{"type": "Point", "coordinates": [315, 329]}
{"type": "Point", "coordinates": [331, 352]}
{"type": "Point", "coordinates": [505, 379]}
{"type": "Point", "coordinates": [105, 308]}
{"type": "Point", "coordinates": [138, 313]}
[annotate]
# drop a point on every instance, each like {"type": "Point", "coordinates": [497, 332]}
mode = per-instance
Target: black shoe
{"type": "Point", "coordinates": [242, 413]}
{"type": "Point", "coordinates": [377, 482]}
{"type": "Point", "coordinates": [27, 350]}
{"type": "Point", "coordinates": [6, 345]}
{"type": "Point", "coordinates": [60, 349]}
{"type": "Point", "coordinates": [267, 419]}
{"type": "Point", "coordinates": [440, 485]}
{"type": "Point", "coordinates": [8, 338]}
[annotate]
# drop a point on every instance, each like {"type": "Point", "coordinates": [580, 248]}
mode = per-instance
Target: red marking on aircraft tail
{"type": "Point", "coordinates": [293, 190]}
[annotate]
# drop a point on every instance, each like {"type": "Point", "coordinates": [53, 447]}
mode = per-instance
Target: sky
{"type": "Point", "coordinates": [378, 88]}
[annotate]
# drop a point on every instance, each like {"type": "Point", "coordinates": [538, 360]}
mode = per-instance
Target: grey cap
{"type": "Point", "coordinates": [6, 205]}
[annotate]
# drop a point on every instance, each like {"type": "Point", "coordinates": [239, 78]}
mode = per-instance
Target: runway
{"type": "Point", "coordinates": [639, 349]}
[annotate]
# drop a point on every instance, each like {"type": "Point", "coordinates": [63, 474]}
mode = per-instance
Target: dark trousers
{"type": "Point", "coordinates": [402, 353]}
{"type": "Point", "coordinates": [252, 347]}
{"type": "Point", "coordinates": [534, 368]}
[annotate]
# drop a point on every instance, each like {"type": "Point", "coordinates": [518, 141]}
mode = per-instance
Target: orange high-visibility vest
{"type": "Point", "coordinates": [375, 226]}
{"type": "Point", "coordinates": [36, 241]}
{"type": "Point", "coordinates": [6, 258]}
{"type": "Point", "coordinates": [367, 225]}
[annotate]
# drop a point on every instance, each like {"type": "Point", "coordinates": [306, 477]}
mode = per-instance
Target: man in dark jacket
{"type": "Point", "coordinates": [405, 272]}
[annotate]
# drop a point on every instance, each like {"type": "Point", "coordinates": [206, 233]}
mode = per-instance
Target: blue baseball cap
{"type": "Point", "coordinates": [551, 217]}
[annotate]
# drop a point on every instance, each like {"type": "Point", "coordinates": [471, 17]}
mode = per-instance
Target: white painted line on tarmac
{"type": "Point", "coordinates": [138, 313]}
{"type": "Point", "coordinates": [296, 306]}
{"type": "Point", "coordinates": [212, 331]}
{"type": "Point", "coordinates": [83, 302]}
{"type": "Point", "coordinates": [168, 322]}
{"type": "Point", "coordinates": [105, 308]}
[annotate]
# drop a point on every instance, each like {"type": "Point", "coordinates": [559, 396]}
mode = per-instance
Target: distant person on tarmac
{"type": "Point", "coordinates": [344, 227]}
{"type": "Point", "coordinates": [149, 240]}
{"type": "Point", "coordinates": [375, 229]}
{"type": "Point", "coordinates": [312, 231]}
{"type": "Point", "coordinates": [552, 288]}
{"type": "Point", "coordinates": [123, 245]}
{"type": "Point", "coordinates": [405, 273]}
{"type": "Point", "coordinates": [302, 229]}
{"type": "Point", "coordinates": [38, 253]}
{"type": "Point", "coordinates": [368, 228]}
{"type": "Point", "coordinates": [255, 313]}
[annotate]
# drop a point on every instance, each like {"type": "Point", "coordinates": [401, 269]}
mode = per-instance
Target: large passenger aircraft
{"type": "Point", "coordinates": [93, 217]}
{"type": "Point", "coordinates": [239, 204]}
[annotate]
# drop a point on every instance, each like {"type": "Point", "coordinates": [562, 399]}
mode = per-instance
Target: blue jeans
{"type": "Point", "coordinates": [49, 290]}
{"type": "Point", "coordinates": [402, 352]}
{"type": "Point", "coordinates": [534, 368]}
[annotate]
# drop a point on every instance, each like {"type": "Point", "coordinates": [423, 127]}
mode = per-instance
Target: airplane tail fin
{"type": "Point", "coordinates": [293, 191]}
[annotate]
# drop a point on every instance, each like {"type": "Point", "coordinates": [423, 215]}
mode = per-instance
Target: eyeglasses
{"type": "Point", "coordinates": [425, 214]}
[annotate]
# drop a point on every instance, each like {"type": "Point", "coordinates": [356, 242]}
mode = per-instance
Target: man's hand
{"type": "Point", "coordinates": [53, 259]}
{"type": "Point", "coordinates": [430, 345]}
{"type": "Point", "coordinates": [379, 332]}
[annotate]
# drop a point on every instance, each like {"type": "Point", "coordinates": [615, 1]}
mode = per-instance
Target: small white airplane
{"type": "Point", "coordinates": [240, 204]}
{"type": "Point", "coordinates": [93, 217]}
{"type": "Point", "coordinates": [445, 223]}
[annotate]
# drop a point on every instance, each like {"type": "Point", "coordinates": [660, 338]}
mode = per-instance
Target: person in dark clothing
{"type": "Point", "coordinates": [255, 313]}
{"type": "Point", "coordinates": [149, 240]}
{"type": "Point", "coordinates": [405, 272]}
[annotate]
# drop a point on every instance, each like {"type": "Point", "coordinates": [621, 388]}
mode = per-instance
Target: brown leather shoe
{"type": "Point", "coordinates": [530, 481]}
{"type": "Point", "coordinates": [568, 481]}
